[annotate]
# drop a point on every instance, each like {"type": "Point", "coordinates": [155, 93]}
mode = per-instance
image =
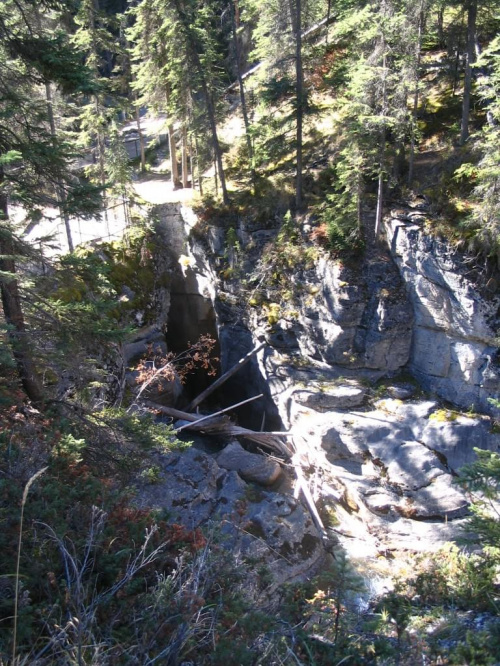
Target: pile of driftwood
{"type": "Point", "coordinates": [279, 443]}
{"type": "Point", "coordinates": [219, 423]}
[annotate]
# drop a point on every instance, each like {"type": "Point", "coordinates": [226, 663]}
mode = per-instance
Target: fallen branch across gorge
{"type": "Point", "coordinates": [221, 425]}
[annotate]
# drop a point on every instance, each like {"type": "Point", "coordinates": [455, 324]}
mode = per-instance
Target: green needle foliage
{"type": "Point", "coordinates": [482, 480]}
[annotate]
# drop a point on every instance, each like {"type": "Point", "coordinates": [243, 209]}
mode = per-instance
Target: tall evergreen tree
{"type": "Point", "coordinates": [471, 8]}
{"type": "Point", "coordinates": [95, 41]}
{"type": "Point", "coordinates": [235, 14]}
{"type": "Point", "coordinates": [196, 26]}
{"type": "Point", "coordinates": [33, 161]}
{"type": "Point", "coordinates": [485, 217]}
{"type": "Point", "coordinates": [279, 44]}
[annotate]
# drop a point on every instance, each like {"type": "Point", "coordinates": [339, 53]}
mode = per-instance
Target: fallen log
{"type": "Point", "coordinates": [222, 426]}
{"type": "Point", "coordinates": [221, 411]}
{"type": "Point", "coordinates": [223, 378]}
{"type": "Point", "coordinates": [303, 486]}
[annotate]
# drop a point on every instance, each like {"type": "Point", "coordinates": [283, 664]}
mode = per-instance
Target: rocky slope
{"type": "Point", "coordinates": [346, 375]}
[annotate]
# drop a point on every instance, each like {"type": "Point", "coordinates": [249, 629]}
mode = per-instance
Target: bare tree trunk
{"type": "Point", "coordinates": [215, 139]}
{"type": "Point", "coordinates": [216, 180]}
{"type": "Point", "coordinates": [101, 147]}
{"type": "Point", "coordinates": [13, 312]}
{"type": "Point", "coordinates": [185, 175]}
{"type": "Point", "coordinates": [380, 188]}
{"type": "Point", "coordinates": [60, 194]}
{"type": "Point", "coordinates": [198, 169]}
{"type": "Point", "coordinates": [359, 209]}
{"type": "Point", "coordinates": [296, 16]}
{"type": "Point", "coordinates": [141, 138]}
{"type": "Point", "coordinates": [234, 16]}
{"type": "Point", "coordinates": [174, 169]}
{"type": "Point", "coordinates": [223, 378]}
{"type": "Point", "coordinates": [440, 25]}
{"type": "Point", "coordinates": [471, 59]}
{"type": "Point", "coordinates": [328, 16]}
{"type": "Point", "coordinates": [413, 123]}
{"type": "Point", "coordinates": [213, 127]}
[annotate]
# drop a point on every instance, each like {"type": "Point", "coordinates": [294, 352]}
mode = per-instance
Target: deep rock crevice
{"type": "Point", "coordinates": [319, 374]}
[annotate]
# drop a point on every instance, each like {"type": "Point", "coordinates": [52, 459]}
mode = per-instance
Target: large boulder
{"type": "Point", "coordinates": [357, 316]}
{"type": "Point", "coordinates": [453, 352]}
{"type": "Point", "coordinates": [455, 439]}
{"type": "Point", "coordinates": [144, 343]}
{"type": "Point", "coordinates": [273, 529]}
{"type": "Point", "coordinates": [326, 397]}
{"type": "Point", "coordinates": [250, 466]}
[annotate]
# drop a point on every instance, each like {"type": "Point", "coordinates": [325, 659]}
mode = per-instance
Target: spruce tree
{"type": "Point", "coordinates": [176, 64]}
{"type": "Point", "coordinates": [33, 161]}
{"type": "Point", "coordinates": [97, 44]}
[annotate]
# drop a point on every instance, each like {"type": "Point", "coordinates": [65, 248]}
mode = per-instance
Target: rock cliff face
{"type": "Point", "coordinates": [453, 350]}
{"type": "Point", "coordinates": [360, 316]}
{"type": "Point", "coordinates": [271, 528]}
{"type": "Point", "coordinates": [378, 454]}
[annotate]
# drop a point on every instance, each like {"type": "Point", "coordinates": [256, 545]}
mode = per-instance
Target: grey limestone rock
{"type": "Point", "coordinates": [358, 317]}
{"type": "Point", "coordinates": [250, 466]}
{"type": "Point", "coordinates": [453, 350]}
{"type": "Point", "coordinates": [137, 348]}
{"type": "Point", "coordinates": [327, 397]}
{"type": "Point", "coordinates": [273, 528]}
{"type": "Point", "coordinates": [413, 466]}
{"type": "Point", "coordinates": [439, 499]}
{"type": "Point", "coordinates": [456, 439]}
{"type": "Point", "coordinates": [285, 536]}
{"type": "Point", "coordinates": [187, 487]}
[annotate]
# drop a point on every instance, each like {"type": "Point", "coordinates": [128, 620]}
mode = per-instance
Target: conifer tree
{"type": "Point", "coordinates": [279, 44]}
{"type": "Point", "coordinates": [152, 35]}
{"type": "Point", "coordinates": [235, 27]}
{"type": "Point", "coordinates": [196, 27]}
{"type": "Point", "coordinates": [485, 217]}
{"type": "Point", "coordinates": [95, 41]}
{"type": "Point", "coordinates": [33, 161]}
{"type": "Point", "coordinates": [471, 7]}
{"type": "Point", "coordinates": [175, 60]}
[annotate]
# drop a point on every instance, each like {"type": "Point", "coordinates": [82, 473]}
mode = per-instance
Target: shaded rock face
{"type": "Point", "coordinates": [453, 350]}
{"type": "Point", "coordinates": [190, 313]}
{"type": "Point", "coordinates": [250, 466]}
{"type": "Point", "coordinates": [270, 527]}
{"type": "Point", "coordinates": [384, 466]}
{"type": "Point", "coordinates": [235, 342]}
{"type": "Point", "coordinates": [360, 317]}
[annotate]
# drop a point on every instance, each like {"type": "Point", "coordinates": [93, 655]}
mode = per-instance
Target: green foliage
{"type": "Point", "coordinates": [325, 606]}
{"type": "Point", "coordinates": [480, 648]}
{"type": "Point", "coordinates": [33, 54]}
{"type": "Point", "coordinates": [396, 607]}
{"type": "Point", "coordinates": [482, 480]}
{"type": "Point", "coordinates": [341, 213]}
{"type": "Point", "coordinates": [485, 217]}
{"type": "Point", "coordinates": [142, 429]}
{"type": "Point", "coordinates": [71, 448]}
{"type": "Point", "coordinates": [276, 89]}
{"type": "Point", "coordinates": [459, 579]}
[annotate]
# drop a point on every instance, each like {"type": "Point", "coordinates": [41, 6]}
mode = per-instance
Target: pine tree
{"type": "Point", "coordinates": [33, 161]}
{"type": "Point", "coordinates": [95, 41]}
{"type": "Point", "coordinates": [471, 8]}
{"type": "Point", "coordinates": [485, 218]}
{"type": "Point", "coordinates": [176, 61]}
{"type": "Point", "coordinates": [382, 49]}
{"type": "Point", "coordinates": [234, 9]}
{"type": "Point", "coordinates": [196, 25]}
{"type": "Point", "coordinates": [152, 35]}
